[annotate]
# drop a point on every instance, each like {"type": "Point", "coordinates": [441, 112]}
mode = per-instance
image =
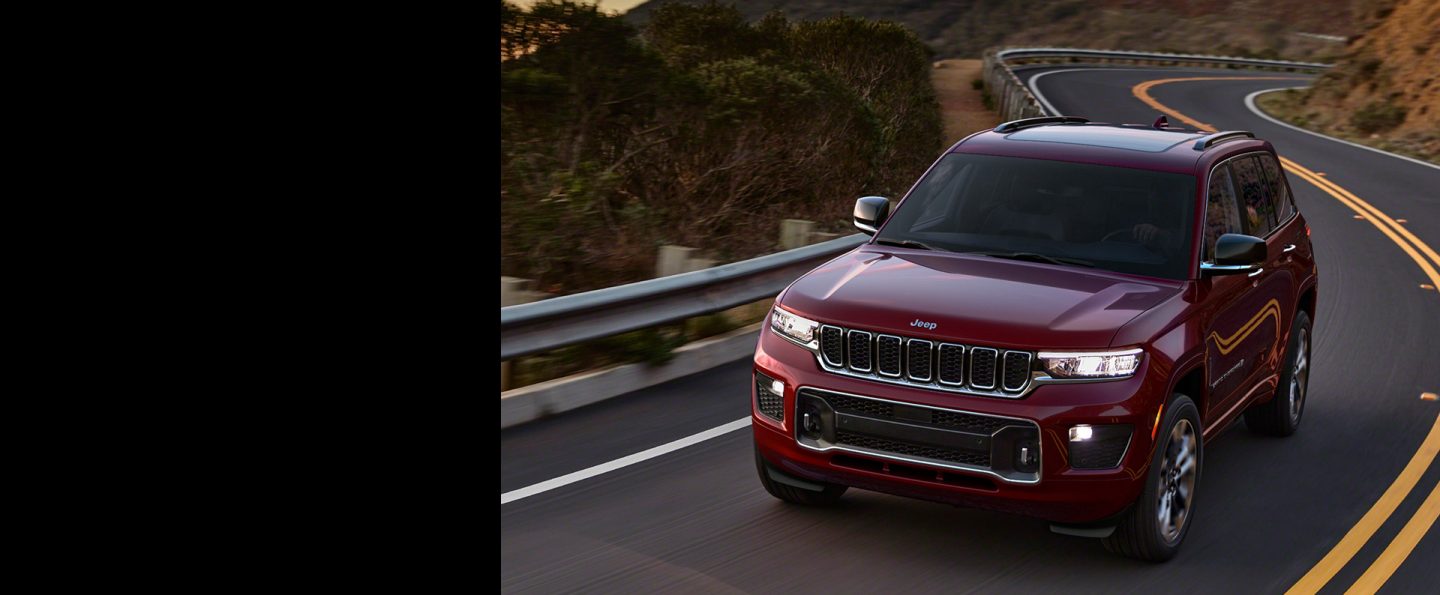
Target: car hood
{"type": "Point", "coordinates": [974, 299]}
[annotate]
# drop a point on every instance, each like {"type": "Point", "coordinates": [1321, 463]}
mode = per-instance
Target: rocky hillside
{"type": "Point", "coordinates": [1291, 29]}
{"type": "Point", "coordinates": [1386, 90]}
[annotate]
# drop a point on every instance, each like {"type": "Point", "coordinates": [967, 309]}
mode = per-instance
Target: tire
{"type": "Point", "coordinates": [1280, 416]}
{"type": "Point", "coordinates": [1171, 482]}
{"type": "Point", "coordinates": [827, 495]}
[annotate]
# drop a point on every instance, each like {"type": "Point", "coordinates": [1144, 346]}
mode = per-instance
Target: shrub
{"type": "Point", "coordinates": [1377, 116]}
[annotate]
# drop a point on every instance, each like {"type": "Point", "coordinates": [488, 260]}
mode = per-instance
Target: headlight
{"type": "Point", "coordinates": [795, 328]}
{"type": "Point", "coordinates": [1109, 364]}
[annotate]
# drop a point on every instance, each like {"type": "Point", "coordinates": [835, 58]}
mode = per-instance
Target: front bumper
{"type": "Point", "coordinates": [1049, 489]}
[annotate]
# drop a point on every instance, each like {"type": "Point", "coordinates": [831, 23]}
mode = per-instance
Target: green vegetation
{"type": "Point", "coordinates": [702, 129]}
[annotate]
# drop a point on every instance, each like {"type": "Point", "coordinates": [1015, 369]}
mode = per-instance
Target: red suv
{"type": "Point", "coordinates": [1052, 323]}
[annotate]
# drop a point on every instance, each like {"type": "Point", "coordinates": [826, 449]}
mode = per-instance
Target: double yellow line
{"type": "Point", "coordinates": [1404, 542]}
{"type": "Point", "coordinates": [1390, 227]}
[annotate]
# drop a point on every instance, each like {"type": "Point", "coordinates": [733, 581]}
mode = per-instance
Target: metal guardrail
{"type": "Point", "coordinates": [550, 324]}
{"type": "Point", "coordinates": [1021, 53]}
{"type": "Point", "coordinates": [1013, 100]}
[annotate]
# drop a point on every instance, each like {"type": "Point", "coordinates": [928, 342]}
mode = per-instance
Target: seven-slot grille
{"type": "Point", "coordinates": [942, 366]}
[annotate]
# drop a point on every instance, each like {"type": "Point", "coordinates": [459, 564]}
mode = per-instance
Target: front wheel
{"type": "Point", "coordinates": [1156, 524]}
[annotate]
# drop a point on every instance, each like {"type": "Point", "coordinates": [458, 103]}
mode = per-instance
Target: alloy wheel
{"type": "Point", "coordinates": [1178, 471]}
{"type": "Point", "coordinates": [1300, 376]}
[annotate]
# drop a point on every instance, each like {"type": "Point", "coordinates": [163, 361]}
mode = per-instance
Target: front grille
{"type": "Point", "coordinates": [982, 367]}
{"type": "Point", "coordinates": [1017, 370]}
{"type": "Point", "coordinates": [767, 401]}
{"type": "Point", "coordinates": [832, 345]}
{"type": "Point", "coordinates": [887, 355]}
{"type": "Point", "coordinates": [859, 344]}
{"type": "Point", "coordinates": [978, 459]}
{"type": "Point", "coordinates": [952, 364]}
{"type": "Point", "coordinates": [919, 362]}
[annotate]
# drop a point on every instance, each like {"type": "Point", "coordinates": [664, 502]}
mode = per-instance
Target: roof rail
{"type": "Point", "coordinates": [1220, 137]}
{"type": "Point", "coordinates": [1014, 125]}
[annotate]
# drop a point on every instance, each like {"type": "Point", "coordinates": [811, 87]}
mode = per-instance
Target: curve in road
{"type": "Point", "coordinates": [696, 517]}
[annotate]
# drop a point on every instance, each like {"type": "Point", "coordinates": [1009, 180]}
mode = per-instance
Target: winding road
{"type": "Point", "coordinates": [1342, 504]}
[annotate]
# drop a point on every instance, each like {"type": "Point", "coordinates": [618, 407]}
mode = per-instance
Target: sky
{"type": "Point", "coordinates": [608, 5]}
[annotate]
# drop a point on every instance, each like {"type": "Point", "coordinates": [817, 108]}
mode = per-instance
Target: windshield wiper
{"type": "Point", "coordinates": [1033, 257]}
{"type": "Point", "coordinates": [910, 244]}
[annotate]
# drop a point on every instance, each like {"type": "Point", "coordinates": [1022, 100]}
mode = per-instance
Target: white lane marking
{"type": "Point", "coordinates": [1045, 103]}
{"type": "Point", "coordinates": [1250, 103]}
{"type": "Point", "coordinates": [1035, 89]}
{"type": "Point", "coordinates": [622, 462]}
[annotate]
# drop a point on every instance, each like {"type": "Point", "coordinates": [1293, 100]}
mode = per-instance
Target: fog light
{"type": "Point", "coordinates": [777, 387]}
{"type": "Point", "coordinates": [1099, 446]}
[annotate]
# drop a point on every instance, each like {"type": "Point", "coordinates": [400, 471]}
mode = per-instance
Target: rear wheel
{"type": "Point", "coordinates": [1156, 524]}
{"type": "Point", "coordinates": [794, 490]}
{"type": "Point", "coordinates": [1280, 416]}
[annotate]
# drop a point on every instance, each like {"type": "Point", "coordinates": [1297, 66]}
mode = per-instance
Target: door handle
{"type": "Point", "coordinates": [1256, 272]}
{"type": "Point", "coordinates": [1289, 248]}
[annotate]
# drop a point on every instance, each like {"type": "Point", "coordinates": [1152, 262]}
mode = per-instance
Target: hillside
{"type": "Point", "coordinates": [701, 130]}
{"type": "Point", "coordinates": [964, 28]}
{"type": "Point", "coordinates": [1384, 92]}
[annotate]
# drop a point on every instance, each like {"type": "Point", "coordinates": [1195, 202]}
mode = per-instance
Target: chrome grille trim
{"type": "Point", "coordinates": [909, 351]}
{"type": "Point", "coordinates": [899, 355]}
{"type": "Point", "coordinates": [1005, 370]}
{"type": "Point", "coordinates": [940, 357]}
{"type": "Point", "coordinates": [861, 355]}
{"type": "Point", "coordinates": [994, 368]}
{"type": "Point", "coordinates": [850, 337]}
{"type": "Point", "coordinates": [829, 327]}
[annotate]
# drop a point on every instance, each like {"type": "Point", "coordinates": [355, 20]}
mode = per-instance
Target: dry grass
{"type": "Point", "coordinates": [962, 111]}
{"type": "Point", "coordinates": [1290, 106]}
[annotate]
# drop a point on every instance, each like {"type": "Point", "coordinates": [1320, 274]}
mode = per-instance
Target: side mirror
{"type": "Point", "coordinates": [870, 213]}
{"type": "Point", "coordinates": [1236, 253]}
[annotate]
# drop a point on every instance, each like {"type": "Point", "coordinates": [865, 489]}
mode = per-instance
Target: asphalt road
{"type": "Point", "coordinates": [697, 519]}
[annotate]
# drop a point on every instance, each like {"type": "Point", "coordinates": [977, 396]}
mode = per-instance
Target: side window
{"type": "Point", "coordinates": [1257, 207]}
{"type": "Point", "coordinates": [1275, 179]}
{"type": "Point", "coordinates": [1222, 211]}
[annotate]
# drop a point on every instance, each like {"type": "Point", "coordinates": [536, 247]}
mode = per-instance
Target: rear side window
{"type": "Point", "coordinates": [1279, 191]}
{"type": "Point", "coordinates": [1222, 210]}
{"type": "Point", "coordinates": [1257, 204]}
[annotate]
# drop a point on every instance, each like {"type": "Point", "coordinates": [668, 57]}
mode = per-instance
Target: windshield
{"type": "Point", "coordinates": [1073, 214]}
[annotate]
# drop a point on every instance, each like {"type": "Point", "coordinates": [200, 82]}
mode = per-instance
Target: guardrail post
{"type": "Point", "coordinates": [673, 260]}
{"type": "Point", "coordinates": [514, 291]}
{"type": "Point", "coordinates": [795, 233]}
